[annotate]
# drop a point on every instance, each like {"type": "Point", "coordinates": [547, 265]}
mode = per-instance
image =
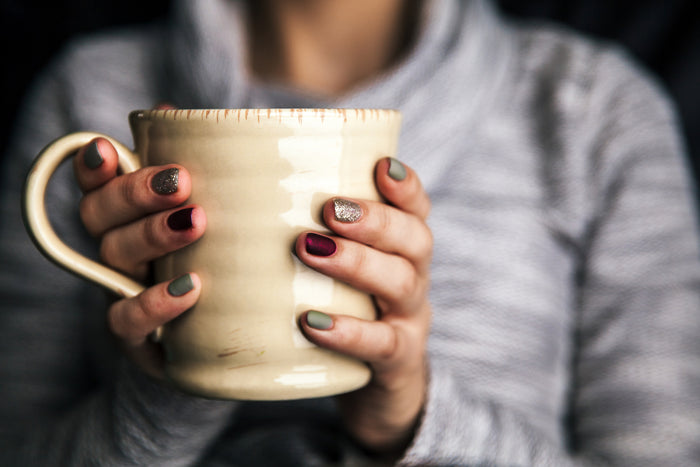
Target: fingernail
{"type": "Point", "coordinates": [181, 286]}
{"type": "Point", "coordinates": [92, 157]}
{"type": "Point", "coordinates": [318, 245]}
{"type": "Point", "coordinates": [165, 182]}
{"type": "Point", "coordinates": [346, 211]}
{"type": "Point", "coordinates": [181, 220]}
{"type": "Point", "coordinates": [397, 171]}
{"type": "Point", "coordinates": [318, 320]}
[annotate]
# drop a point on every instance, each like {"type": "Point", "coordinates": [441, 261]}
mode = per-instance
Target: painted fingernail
{"type": "Point", "coordinates": [165, 182]}
{"type": "Point", "coordinates": [397, 171]}
{"type": "Point", "coordinates": [181, 220]}
{"type": "Point", "coordinates": [318, 320]}
{"type": "Point", "coordinates": [318, 245]}
{"type": "Point", "coordinates": [346, 210]}
{"type": "Point", "coordinates": [92, 157]}
{"type": "Point", "coordinates": [181, 286]}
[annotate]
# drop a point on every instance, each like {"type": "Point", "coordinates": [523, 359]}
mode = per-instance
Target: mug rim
{"type": "Point", "coordinates": [260, 114]}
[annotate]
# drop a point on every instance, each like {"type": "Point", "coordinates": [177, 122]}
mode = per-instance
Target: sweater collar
{"type": "Point", "coordinates": [460, 42]}
{"type": "Point", "coordinates": [205, 59]}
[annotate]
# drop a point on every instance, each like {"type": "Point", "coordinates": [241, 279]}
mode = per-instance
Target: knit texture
{"type": "Point", "coordinates": [565, 282]}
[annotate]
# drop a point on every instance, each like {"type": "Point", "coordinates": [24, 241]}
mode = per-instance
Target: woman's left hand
{"type": "Point", "coordinates": [385, 250]}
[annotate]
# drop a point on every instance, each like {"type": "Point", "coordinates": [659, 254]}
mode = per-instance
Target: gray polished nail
{"type": "Point", "coordinates": [346, 211]}
{"type": "Point", "coordinates": [318, 320]}
{"type": "Point", "coordinates": [92, 157]}
{"type": "Point", "coordinates": [181, 286]}
{"type": "Point", "coordinates": [165, 182]}
{"type": "Point", "coordinates": [396, 170]}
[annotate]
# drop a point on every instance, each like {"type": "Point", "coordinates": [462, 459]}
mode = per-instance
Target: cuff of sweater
{"type": "Point", "coordinates": [459, 430]}
{"type": "Point", "coordinates": [156, 421]}
{"type": "Point", "coordinates": [435, 420]}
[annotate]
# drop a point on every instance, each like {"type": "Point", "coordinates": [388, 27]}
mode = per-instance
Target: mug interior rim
{"type": "Point", "coordinates": [364, 114]}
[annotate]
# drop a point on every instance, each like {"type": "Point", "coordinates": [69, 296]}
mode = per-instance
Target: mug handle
{"type": "Point", "coordinates": [37, 222]}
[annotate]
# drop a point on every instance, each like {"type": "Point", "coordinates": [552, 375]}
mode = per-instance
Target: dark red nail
{"type": "Point", "coordinates": [318, 245]}
{"type": "Point", "coordinates": [181, 220]}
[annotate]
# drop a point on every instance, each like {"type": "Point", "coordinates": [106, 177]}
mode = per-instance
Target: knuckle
{"type": "Point", "coordinates": [119, 322]}
{"type": "Point", "coordinates": [382, 225]}
{"type": "Point", "coordinates": [424, 247]}
{"type": "Point", "coordinates": [109, 249]}
{"type": "Point", "coordinates": [389, 347]}
{"type": "Point", "coordinates": [87, 210]}
{"type": "Point", "coordinates": [359, 260]}
{"type": "Point", "coordinates": [407, 284]}
{"type": "Point", "coordinates": [152, 234]}
{"type": "Point", "coordinates": [149, 309]}
{"type": "Point", "coordinates": [376, 342]}
{"type": "Point", "coordinates": [383, 221]}
{"type": "Point", "coordinates": [145, 306]}
{"type": "Point", "coordinates": [113, 253]}
{"type": "Point", "coordinates": [354, 340]}
{"type": "Point", "coordinates": [132, 191]}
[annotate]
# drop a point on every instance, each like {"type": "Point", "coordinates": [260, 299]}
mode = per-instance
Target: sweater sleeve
{"type": "Point", "coordinates": [460, 430]}
{"type": "Point", "coordinates": [54, 409]}
{"type": "Point", "coordinates": [636, 371]}
{"type": "Point", "coordinates": [634, 377]}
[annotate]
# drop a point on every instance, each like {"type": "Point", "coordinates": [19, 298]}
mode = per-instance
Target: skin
{"type": "Point", "coordinates": [328, 47]}
{"type": "Point", "coordinates": [386, 252]}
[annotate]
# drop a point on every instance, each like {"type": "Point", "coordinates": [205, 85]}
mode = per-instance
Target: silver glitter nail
{"type": "Point", "coordinates": [346, 211]}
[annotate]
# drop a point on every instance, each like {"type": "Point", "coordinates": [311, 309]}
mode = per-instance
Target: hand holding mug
{"type": "Point", "coordinates": [139, 217]}
{"type": "Point", "coordinates": [384, 250]}
{"type": "Point", "coordinates": [261, 176]}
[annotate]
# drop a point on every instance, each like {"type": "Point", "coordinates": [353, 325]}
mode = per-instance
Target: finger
{"type": "Point", "coordinates": [130, 248]}
{"type": "Point", "coordinates": [128, 197]}
{"type": "Point", "coordinates": [132, 320]}
{"type": "Point", "coordinates": [381, 226]}
{"type": "Point", "coordinates": [400, 185]}
{"type": "Point", "coordinates": [95, 164]}
{"type": "Point", "coordinates": [384, 345]}
{"type": "Point", "coordinates": [369, 341]}
{"type": "Point", "coordinates": [392, 279]}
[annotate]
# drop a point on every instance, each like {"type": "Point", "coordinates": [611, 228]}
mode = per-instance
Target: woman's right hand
{"type": "Point", "coordinates": [139, 217]}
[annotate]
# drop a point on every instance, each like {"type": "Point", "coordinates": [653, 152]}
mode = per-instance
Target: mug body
{"type": "Point", "coordinates": [262, 177]}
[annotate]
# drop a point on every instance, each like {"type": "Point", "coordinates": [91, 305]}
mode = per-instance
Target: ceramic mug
{"type": "Point", "coordinates": [262, 176]}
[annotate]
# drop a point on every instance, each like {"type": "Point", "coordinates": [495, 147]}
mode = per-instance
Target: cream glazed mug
{"type": "Point", "coordinates": [262, 176]}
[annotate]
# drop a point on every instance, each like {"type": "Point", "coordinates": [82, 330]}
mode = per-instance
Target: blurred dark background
{"type": "Point", "coordinates": [663, 34]}
{"type": "Point", "coordinates": [34, 30]}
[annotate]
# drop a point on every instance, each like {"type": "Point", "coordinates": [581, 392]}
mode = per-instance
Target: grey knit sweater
{"type": "Point", "coordinates": [566, 288]}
